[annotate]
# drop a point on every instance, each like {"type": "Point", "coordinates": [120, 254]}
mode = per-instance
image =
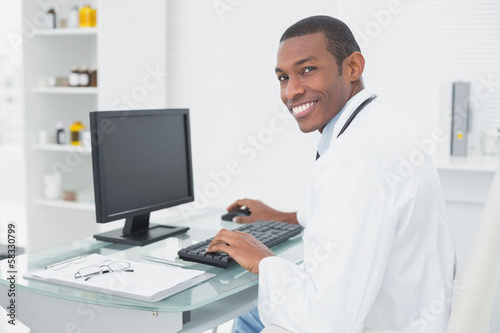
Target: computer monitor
{"type": "Point", "coordinates": [141, 161]}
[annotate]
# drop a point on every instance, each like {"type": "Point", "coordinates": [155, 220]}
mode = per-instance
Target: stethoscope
{"type": "Point", "coordinates": [353, 115]}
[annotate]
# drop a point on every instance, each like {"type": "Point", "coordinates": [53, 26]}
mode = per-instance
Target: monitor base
{"type": "Point", "coordinates": [154, 233]}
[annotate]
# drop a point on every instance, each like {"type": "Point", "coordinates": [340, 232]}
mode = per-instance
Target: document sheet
{"type": "Point", "coordinates": [143, 281]}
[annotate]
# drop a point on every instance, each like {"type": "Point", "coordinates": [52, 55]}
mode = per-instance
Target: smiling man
{"type": "Point", "coordinates": [314, 86]}
{"type": "Point", "coordinates": [377, 250]}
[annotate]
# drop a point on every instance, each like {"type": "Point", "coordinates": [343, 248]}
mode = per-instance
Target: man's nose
{"type": "Point", "coordinates": [294, 88]}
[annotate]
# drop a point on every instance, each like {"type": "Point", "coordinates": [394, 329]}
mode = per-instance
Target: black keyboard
{"type": "Point", "coordinates": [270, 233]}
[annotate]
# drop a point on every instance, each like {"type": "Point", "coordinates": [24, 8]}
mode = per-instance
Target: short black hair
{"type": "Point", "coordinates": [340, 41]}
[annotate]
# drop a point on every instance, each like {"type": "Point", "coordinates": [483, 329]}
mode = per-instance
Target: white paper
{"type": "Point", "coordinates": [146, 281]}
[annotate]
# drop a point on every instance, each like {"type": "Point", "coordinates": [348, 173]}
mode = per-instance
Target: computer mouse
{"type": "Point", "coordinates": [233, 213]}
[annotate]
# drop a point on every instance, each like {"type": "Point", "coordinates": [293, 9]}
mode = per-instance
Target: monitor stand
{"type": "Point", "coordinates": [139, 232]}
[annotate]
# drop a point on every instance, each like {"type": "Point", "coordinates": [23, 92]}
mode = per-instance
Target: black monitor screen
{"type": "Point", "coordinates": [141, 163]}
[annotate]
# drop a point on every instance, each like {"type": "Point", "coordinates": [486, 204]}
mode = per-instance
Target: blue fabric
{"type": "Point", "coordinates": [248, 323]}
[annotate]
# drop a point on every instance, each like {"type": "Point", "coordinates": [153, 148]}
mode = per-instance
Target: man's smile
{"type": "Point", "coordinates": [299, 109]}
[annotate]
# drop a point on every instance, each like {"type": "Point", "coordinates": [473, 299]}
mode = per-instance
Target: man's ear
{"type": "Point", "coordinates": [354, 65]}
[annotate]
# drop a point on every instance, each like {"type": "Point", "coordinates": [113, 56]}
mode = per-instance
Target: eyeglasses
{"type": "Point", "coordinates": [91, 271]}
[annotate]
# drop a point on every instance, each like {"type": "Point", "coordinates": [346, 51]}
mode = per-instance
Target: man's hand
{"type": "Point", "coordinates": [242, 247]}
{"type": "Point", "coordinates": [261, 211]}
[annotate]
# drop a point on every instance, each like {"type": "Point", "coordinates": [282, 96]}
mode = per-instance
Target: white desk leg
{"type": "Point", "coordinates": [44, 314]}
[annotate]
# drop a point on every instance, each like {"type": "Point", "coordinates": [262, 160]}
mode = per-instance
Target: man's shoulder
{"type": "Point", "coordinates": [377, 129]}
{"type": "Point", "coordinates": [380, 140]}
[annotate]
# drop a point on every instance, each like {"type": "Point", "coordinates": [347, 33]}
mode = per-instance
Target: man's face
{"type": "Point", "coordinates": [311, 87]}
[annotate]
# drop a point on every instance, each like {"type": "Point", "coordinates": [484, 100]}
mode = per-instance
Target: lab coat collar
{"type": "Point", "coordinates": [326, 134]}
{"type": "Point", "coordinates": [349, 109]}
{"type": "Point", "coordinates": [334, 126]}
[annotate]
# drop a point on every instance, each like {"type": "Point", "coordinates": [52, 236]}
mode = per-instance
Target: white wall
{"type": "Point", "coordinates": [223, 70]}
{"type": "Point", "coordinates": [221, 59]}
{"type": "Point", "coordinates": [131, 54]}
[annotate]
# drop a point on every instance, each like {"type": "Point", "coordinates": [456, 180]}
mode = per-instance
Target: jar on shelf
{"type": "Point", "coordinates": [60, 135]}
{"type": "Point", "coordinates": [75, 130]}
{"type": "Point", "coordinates": [93, 76]}
{"type": "Point", "coordinates": [51, 19]}
{"type": "Point", "coordinates": [74, 77]}
{"type": "Point", "coordinates": [85, 15]}
{"type": "Point", "coordinates": [84, 77]}
{"type": "Point", "coordinates": [73, 18]}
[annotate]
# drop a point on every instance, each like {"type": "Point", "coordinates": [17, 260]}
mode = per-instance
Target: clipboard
{"type": "Point", "coordinates": [143, 281]}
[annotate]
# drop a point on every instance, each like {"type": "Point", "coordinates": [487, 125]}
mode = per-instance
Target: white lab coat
{"type": "Point", "coordinates": [377, 249]}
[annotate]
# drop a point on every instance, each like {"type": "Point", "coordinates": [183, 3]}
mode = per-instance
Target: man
{"type": "Point", "coordinates": [377, 250]}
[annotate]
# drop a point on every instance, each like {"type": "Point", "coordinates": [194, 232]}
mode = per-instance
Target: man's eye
{"type": "Point", "coordinates": [308, 69]}
{"type": "Point", "coordinates": [282, 77]}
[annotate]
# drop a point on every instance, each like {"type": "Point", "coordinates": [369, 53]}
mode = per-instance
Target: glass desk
{"type": "Point", "coordinates": [47, 307]}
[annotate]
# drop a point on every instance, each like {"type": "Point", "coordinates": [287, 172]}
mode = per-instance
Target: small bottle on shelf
{"type": "Point", "coordinates": [93, 76]}
{"type": "Point", "coordinates": [73, 18]}
{"type": "Point", "coordinates": [74, 77]}
{"type": "Point", "coordinates": [60, 134]}
{"type": "Point", "coordinates": [84, 78]}
{"type": "Point", "coordinates": [85, 15]}
{"type": "Point", "coordinates": [51, 19]}
{"type": "Point", "coordinates": [75, 130]}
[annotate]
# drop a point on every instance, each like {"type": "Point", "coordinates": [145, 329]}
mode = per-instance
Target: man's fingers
{"type": "Point", "coordinates": [243, 202]}
{"type": "Point", "coordinates": [237, 204]}
{"type": "Point", "coordinates": [218, 247]}
{"type": "Point", "coordinates": [242, 247]}
{"type": "Point", "coordinates": [223, 237]}
{"type": "Point", "coordinates": [233, 206]}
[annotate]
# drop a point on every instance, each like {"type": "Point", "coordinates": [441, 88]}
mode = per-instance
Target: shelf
{"type": "Point", "coordinates": [67, 90]}
{"type": "Point", "coordinates": [65, 204]}
{"type": "Point", "coordinates": [66, 32]}
{"type": "Point", "coordinates": [63, 148]}
{"type": "Point", "coordinates": [479, 163]}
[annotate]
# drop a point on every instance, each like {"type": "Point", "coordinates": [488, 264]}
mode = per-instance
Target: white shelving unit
{"type": "Point", "coordinates": [66, 32]}
{"type": "Point", "coordinates": [63, 148]}
{"type": "Point", "coordinates": [67, 90]}
{"type": "Point", "coordinates": [65, 204]}
{"type": "Point", "coordinates": [53, 52]}
{"type": "Point", "coordinates": [128, 41]}
{"type": "Point", "coordinates": [469, 163]}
